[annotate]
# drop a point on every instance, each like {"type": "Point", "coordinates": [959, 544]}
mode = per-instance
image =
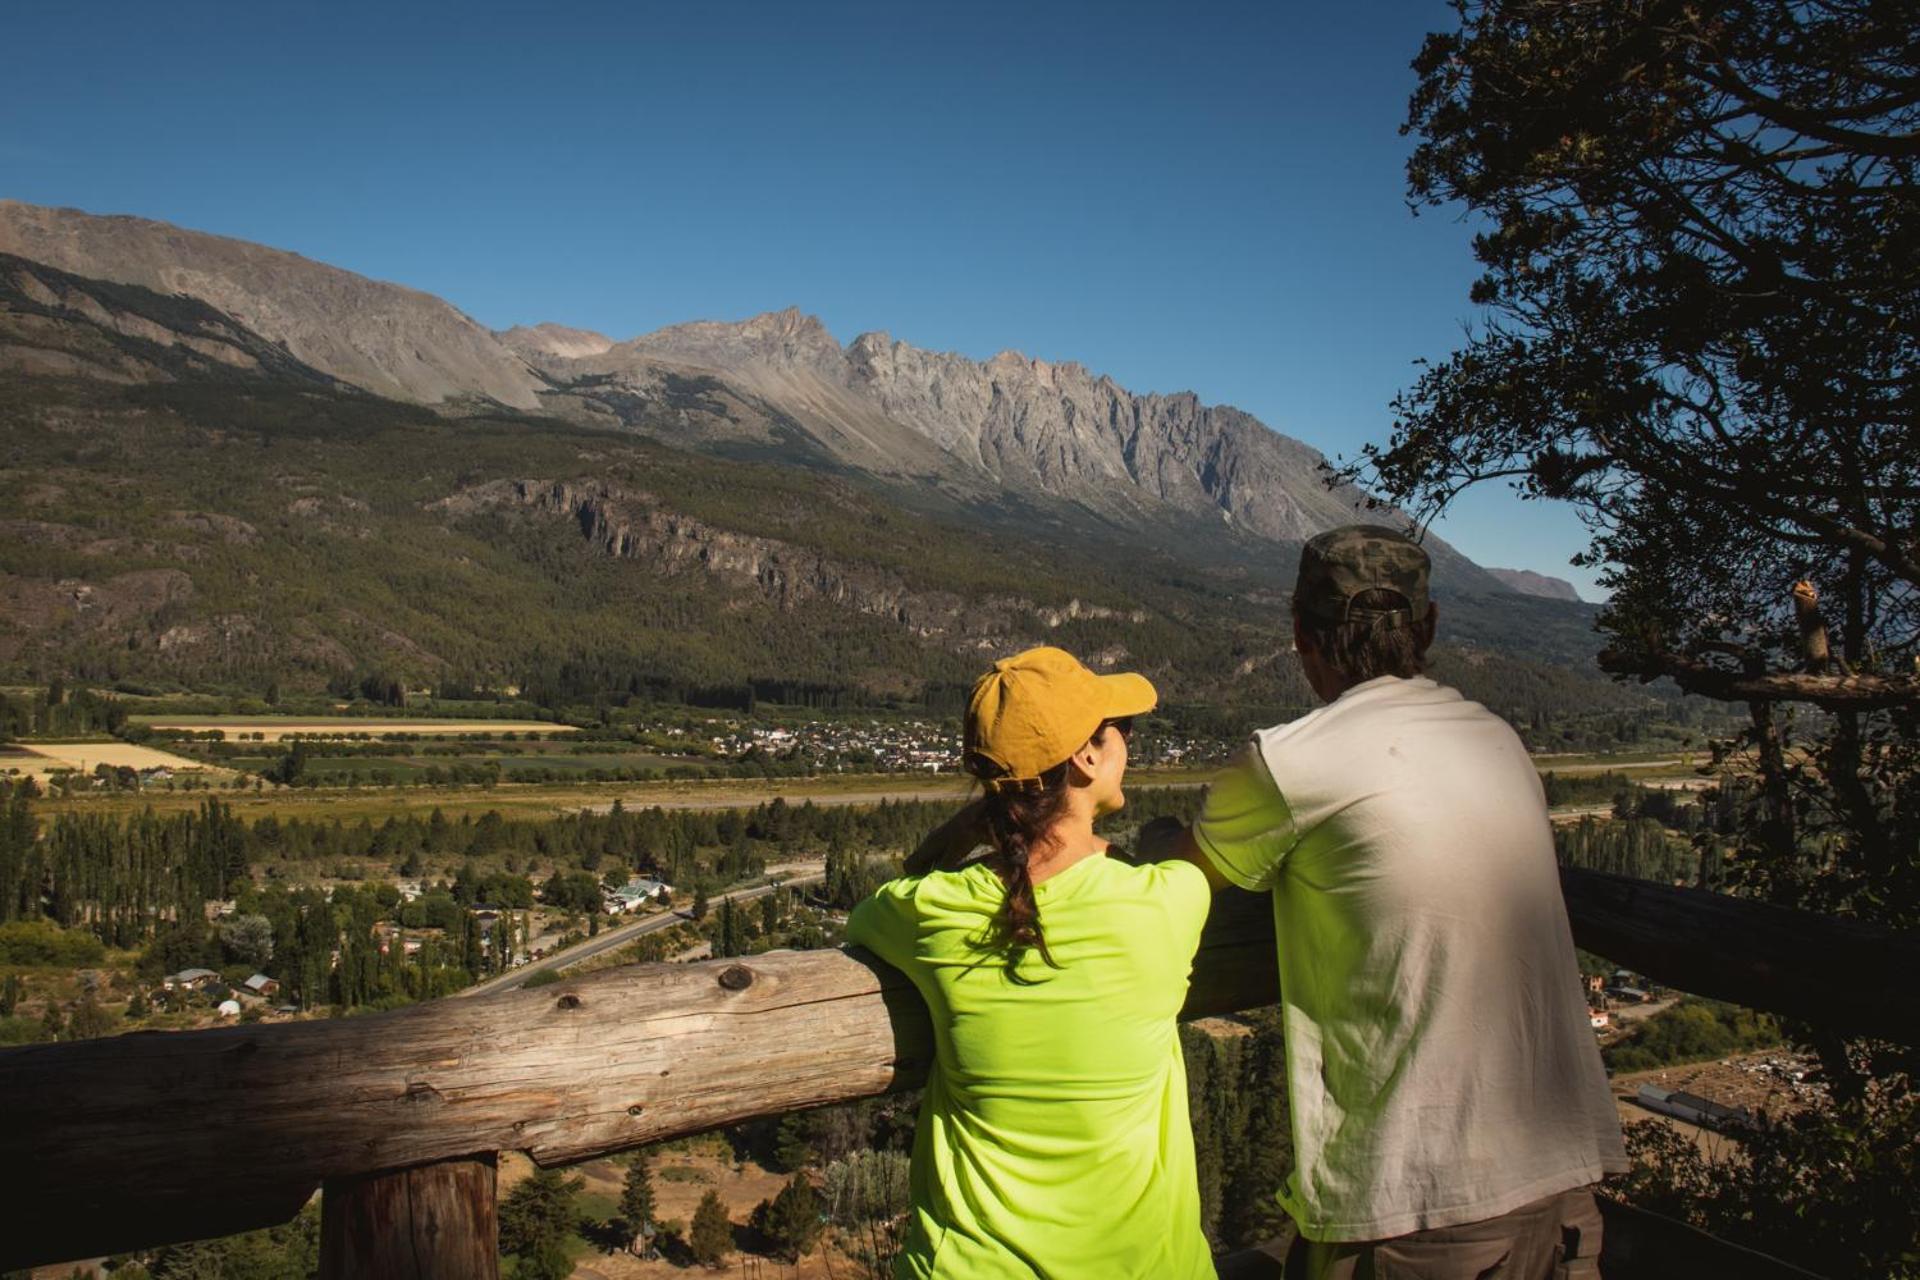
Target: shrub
{"type": "Point", "coordinates": [42, 942]}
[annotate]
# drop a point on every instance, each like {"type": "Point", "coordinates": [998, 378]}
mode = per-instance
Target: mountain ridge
{"type": "Point", "coordinates": [777, 385]}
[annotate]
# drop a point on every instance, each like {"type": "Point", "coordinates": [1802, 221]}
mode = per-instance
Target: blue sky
{"type": "Point", "coordinates": [1187, 197]}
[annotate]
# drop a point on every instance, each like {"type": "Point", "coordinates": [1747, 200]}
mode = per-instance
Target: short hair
{"type": "Point", "coordinates": [1385, 642]}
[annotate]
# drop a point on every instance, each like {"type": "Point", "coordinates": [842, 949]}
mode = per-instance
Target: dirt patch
{"type": "Point", "coordinates": [1763, 1082]}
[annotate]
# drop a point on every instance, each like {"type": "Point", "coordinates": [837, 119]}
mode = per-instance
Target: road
{"type": "Point", "coordinates": [619, 936]}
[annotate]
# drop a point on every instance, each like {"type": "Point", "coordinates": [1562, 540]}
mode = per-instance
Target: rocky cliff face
{"type": "Point", "coordinates": [632, 525]}
{"type": "Point", "coordinates": [390, 340]}
{"type": "Point", "coordinates": [1010, 422]}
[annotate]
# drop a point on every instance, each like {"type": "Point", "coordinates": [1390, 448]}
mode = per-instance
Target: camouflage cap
{"type": "Point", "coordinates": [1339, 564]}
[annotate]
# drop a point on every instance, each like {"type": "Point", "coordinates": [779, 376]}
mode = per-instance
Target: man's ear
{"type": "Point", "coordinates": [1302, 641]}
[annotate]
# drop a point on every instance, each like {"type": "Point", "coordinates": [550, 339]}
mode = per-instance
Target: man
{"type": "Point", "coordinates": [1449, 1108]}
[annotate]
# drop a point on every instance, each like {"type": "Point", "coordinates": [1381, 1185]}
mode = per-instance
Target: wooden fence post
{"type": "Point", "coordinates": [430, 1222]}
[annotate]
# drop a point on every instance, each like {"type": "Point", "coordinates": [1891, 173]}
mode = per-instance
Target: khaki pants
{"type": "Point", "coordinates": [1554, 1238]}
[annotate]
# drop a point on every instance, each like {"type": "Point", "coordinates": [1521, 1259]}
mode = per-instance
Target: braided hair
{"type": "Point", "coordinates": [1019, 812]}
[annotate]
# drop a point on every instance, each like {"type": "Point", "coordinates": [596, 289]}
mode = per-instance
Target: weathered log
{"type": "Point", "coordinates": [1839, 974]}
{"type": "Point", "coordinates": [147, 1138]}
{"type": "Point", "coordinates": [434, 1222]}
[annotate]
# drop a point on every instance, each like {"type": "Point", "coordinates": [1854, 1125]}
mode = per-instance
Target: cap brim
{"type": "Point", "coordinates": [1128, 694]}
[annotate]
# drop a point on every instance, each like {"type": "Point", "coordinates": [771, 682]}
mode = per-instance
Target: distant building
{"type": "Point", "coordinates": [229, 1008]}
{"type": "Point", "coordinates": [1693, 1108]}
{"type": "Point", "coordinates": [261, 985]}
{"type": "Point", "coordinates": [190, 979]}
{"type": "Point", "coordinates": [636, 893]}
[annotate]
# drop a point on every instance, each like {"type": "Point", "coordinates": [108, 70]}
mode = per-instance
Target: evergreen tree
{"type": "Point", "coordinates": [699, 911]}
{"type": "Point", "coordinates": [711, 1236]}
{"type": "Point", "coordinates": [792, 1219]}
{"type": "Point", "coordinates": [636, 1202]}
{"type": "Point", "coordinates": [535, 1220]}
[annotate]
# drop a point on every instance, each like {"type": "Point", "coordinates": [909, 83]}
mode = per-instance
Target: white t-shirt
{"type": "Point", "coordinates": [1440, 1062]}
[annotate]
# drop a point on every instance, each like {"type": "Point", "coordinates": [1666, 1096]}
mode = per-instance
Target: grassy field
{"type": "Point", "coordinates": [277, 728]}
{"type": "Point", "coordinates": [541, 799]}
{"type": "Point", "coordinates": [40, 760]}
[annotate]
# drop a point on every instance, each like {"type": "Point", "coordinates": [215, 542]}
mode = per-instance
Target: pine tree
{"type": "Point", "coordinates": [792, 1220]}
{"type": "Point", "coordinates": [711, 1236]}
{"type": "Point", "coordinates": [699, 902]}
{"type": "Point", "coordinates": [534, 1221]}
{"type": "Point", "coordinates": [636, 1202]}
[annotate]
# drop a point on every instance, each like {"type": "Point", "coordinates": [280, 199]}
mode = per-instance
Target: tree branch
{"type": "Point", "coordinates": [1835, 693]}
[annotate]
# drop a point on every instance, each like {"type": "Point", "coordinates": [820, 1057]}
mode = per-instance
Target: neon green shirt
{"type": "Point", "coordinates": [1053, 1138]}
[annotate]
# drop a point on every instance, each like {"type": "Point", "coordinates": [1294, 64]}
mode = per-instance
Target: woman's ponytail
{"type": "Point", "coordinates": [1017, 814]}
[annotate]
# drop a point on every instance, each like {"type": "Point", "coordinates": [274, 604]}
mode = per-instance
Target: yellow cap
{"type": "Point", "coordinates": [1033, 710]}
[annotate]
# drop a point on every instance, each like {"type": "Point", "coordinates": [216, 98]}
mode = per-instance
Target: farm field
{"type": "Point", "coordinates": [278, 728]}
{"type": "Point", "coordinates": [41, 760]}
{"type": "Point", "coordinates": [547, 799]}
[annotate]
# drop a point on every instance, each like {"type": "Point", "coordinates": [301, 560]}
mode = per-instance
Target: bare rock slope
{"type": "Point", "coordinates": [390, 340]}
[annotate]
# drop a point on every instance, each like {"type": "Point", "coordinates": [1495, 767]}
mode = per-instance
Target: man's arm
{"type": "Point", "coordinates": [1171, 840]}
{"type": "Point", "coordinates": [948, 844]}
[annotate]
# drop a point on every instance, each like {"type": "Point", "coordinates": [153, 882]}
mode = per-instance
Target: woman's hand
{"type": "Point", "coordinates": [948, 844]}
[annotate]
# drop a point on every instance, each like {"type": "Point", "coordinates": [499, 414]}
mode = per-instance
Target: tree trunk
{"type": "Point", "coordinates": [430, 1222]}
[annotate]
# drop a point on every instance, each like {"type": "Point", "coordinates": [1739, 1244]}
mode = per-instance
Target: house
{"type": "Point", "coordinates": [1600, 1019]}
{"type": "Point", "coordinates": [261, 985]}
{"type": "Point", "coordinates": [190, 979]}
{"type": "Point", "coordinates": [636, 893]}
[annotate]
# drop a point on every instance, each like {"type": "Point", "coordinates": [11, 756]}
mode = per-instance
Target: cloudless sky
{"type": "Point", "coordinates": [1204, 197]}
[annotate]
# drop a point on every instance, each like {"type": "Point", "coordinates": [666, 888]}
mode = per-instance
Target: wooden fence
{"type": "Point", "coordinates": [138, 1140]}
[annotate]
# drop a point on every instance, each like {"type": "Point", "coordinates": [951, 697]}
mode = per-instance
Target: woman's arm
{"type": "Point", "coordinates": [948, 844]}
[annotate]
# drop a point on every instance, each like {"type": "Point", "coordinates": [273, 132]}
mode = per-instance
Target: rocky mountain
{"type": "Point", "coordinates": [387, 339]}
{"type": "Point", "coordinates": [1052, 439]}
{"type": "Point", "coordinates": [185, 504]}
{"type": "Point", "coordinates": [1529, 583]}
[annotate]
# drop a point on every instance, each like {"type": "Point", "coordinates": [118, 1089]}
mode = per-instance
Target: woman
{"type": "Point", "coordinates": [1053, 1138]}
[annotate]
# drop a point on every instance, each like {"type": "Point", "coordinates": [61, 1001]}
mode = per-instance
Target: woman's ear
{"type": "Point", "coordinates": [1086, 762]}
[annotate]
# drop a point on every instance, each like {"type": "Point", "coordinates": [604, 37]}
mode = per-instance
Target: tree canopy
{"type": "Point", "coordinates": [1701, 253]}
{"type": "Point", "coordinates": [1701, 278]}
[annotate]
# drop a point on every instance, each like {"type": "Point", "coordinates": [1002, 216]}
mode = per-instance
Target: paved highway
{"type": "Point", "coordinates": [620, 935]}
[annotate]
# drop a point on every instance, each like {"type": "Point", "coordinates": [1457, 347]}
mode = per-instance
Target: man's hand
{"type": "Point", "coordinates": [948, 844]}
{"type": "Point", "coordinates": [1159, 840]}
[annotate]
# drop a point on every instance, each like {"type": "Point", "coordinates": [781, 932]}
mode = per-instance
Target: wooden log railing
{"type": "Point", "coordinates": [142, 1139]}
